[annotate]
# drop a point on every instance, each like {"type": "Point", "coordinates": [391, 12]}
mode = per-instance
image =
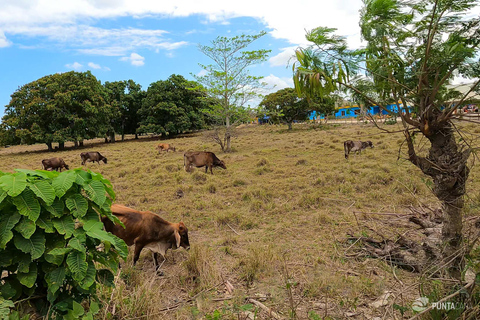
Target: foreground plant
{"type": "Point", "coordinates": [50, 232]}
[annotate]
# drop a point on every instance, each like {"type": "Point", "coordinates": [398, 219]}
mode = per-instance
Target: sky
{"type": "Point", "coordinates": [149, 40]}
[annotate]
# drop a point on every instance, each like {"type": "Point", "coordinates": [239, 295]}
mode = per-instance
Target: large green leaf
{"type": "Point", "coordinates": [35, 245]}
{"type": "Point", "coordinates": [63, 182]}
{"type": "Point", "coordinates": [55, 279]}
{"type": "Point", "coordinates": [64, 225]}
{"type": "Point", "coordinates": [59, 251]}
{"type": "Point", "coordinates": [76, 244]}
{"type": "Point", "coordinates": [11, 288]}
{"type": "Point", "coordinates": [3, 195]}
{"type": "Point", "coordinates": [39, 173]}
{"type": "Point", "coordinates": [57, 207]}
{"type": "Point", "coordinates": [8, 220]}
{"type": "Point", "coordinates": [95, 191]}
{"type": "Point", "coordinates": [26, 227]}
{"type": "Point", "coordinates": [107, 184]}
{"type": "Point", "coordinates": [89, 276]}
{"type": "Point", "coordinates": [43, 190]}
{"type": "Point", "coordinates": [121, 247]}
{"type": "Point", "coordinates": [77, 205]}
{"type": "Point", "coordinates": [106, 277]}
{"type": "Point", "coordinates": [5, 306]}
{"type": "Point", "coordinates": [82, 177]}
{"type": "Point", "coordinates": [28, 279]}
{"type": "Point", "coordinates": [77, 263]}
{"type": "Point", "coordinates": [23, 260]}
{"type": "Point", "coordinates": [45, 222]}
{"type": "Point", "coordinates": [14, 184]}
{"type": "Point", "coordinates": [28, 205]}
{"type": "Point", "coordinates": [95, 230]}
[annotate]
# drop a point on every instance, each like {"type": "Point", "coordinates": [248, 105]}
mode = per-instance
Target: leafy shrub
{"type": "Point", "coordinates": [50, 232]}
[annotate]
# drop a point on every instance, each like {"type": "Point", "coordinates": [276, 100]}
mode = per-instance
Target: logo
{"type": "Point", "coordinates": [420, 304]}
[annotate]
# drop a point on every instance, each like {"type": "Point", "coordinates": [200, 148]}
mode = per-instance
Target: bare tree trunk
{"type": "Point", "coordinates": [289, 126]}
{"type": "Point", "coordinates": [75, 143]}
{"type": "Point", "coordinates": [49, 146]}
{"type": "Point", "coordinates": [447, 165]}
{"type": "Point", "coordinates": [80, 143]}
{"type": "Point", "coordinates": [227, 135]}
{"type": "Point", "coordinates": [61, 145]}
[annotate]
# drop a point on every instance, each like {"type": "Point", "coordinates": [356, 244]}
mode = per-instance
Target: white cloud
{"type": "Point", "coordinates": [135, 59]}
{"type": "Point", "coordinates": [202, 73]}
{"type": "Point", "coordinates": [68, 20]}
{"type": "Point", "coordinates": [284, 58]}
{"type": "Point", "coordinates": [4, 41]}
{"type": "Point", "coordinates": [75, 66]}
{"type": "Point", "coordinates": [94, 65]}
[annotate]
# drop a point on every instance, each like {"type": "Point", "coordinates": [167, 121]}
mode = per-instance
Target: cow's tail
{"type": "Point", "coordinates": [345, 147]}
{"type": "Point", "coordinates": [184, 162]}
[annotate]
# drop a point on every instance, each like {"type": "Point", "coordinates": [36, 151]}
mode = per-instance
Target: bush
{"type": "Point", "coordinates": [50, 233]}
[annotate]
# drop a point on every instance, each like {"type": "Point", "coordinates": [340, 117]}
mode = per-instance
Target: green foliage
{"type": "Point", "coordinates": [61, 107]}
{"type": "Point", "coordinates": [174, 106]}
{"type": "Point", "coordinates": [285, 106]}
{"type": "Point", "coordinates": [125, 98]}
{"type": "Point", "coordinates": [50, 230]}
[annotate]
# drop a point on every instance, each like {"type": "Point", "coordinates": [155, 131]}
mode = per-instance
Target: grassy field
{"type": "Point", "coordinates": [274, 224]}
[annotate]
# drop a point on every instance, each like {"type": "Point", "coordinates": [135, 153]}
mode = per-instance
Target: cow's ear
{"type": "Point", "coordinates": [177, 238]}
{"type": "Point", "coordinates": [181, 226]}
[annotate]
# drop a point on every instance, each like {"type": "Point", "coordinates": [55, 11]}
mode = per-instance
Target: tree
{"type": "Point", "coordinates": [173, 106]}
{"type": "Point", "coordinates": [285, 106]}
{"type": "Point", "coordinates": [229, 81]}
{"type": "Point", "coordinates": [126, 98]}
{"type": "Point", "coordinates": [414, 49]}
{"type": "Point", "coordinates": [58, 108]}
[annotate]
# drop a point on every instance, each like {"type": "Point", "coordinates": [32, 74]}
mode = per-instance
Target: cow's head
{"type": "Point", "coordinates": [173, 149]}
{"type": "Point", "coordinates": [181, 236]}
{"type": "Point", "coordinates": [221, 164]}
{"type": "Point", "coordinates": [66, 167]}
{"type": "Point", "coordinates": [370, 144]}
{"type": "Point", "coordinates": [104, 160]}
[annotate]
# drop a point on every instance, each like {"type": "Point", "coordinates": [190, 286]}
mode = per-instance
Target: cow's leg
{"type": "Point", "coordinates": [206, 168]}
{"type": "Point", "coordinates": [211, 169]}
{"type": "Point", "coordinates": [157, 266]}
{"type": "Point", "coordinates": [138, 249]}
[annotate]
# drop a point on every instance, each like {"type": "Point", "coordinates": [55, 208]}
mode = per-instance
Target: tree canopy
{"type": "Point", "coordinates": [126, 98]}
{"type": "Point", "coordinates": [61, 107]}
{"type": "Point", "coordinates": [173, 106]}
{"type": "Point", "coordinates": [285, 106]}
{"type": "Point", "coordinates": [228, 80]}
{"type": "Point", "coordinates": [414, 50]}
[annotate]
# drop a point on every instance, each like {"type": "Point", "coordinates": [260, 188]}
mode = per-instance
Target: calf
{"type": "Point", "coordinates": [202, 159]}
{"type": "Point", "coordinates": [54, 164]}
{"type": "Point", "coordinates": [164, 146]}
{"type": "Point", "coordinates": [145, 229]}
{"type": "Point", "coordinates": [92, 156]}
{"type": "Point", "coordinates": [355, 146]}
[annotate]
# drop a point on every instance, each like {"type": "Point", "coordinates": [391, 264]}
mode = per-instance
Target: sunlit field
{"type": "Point", "coordinates": [273, 227]}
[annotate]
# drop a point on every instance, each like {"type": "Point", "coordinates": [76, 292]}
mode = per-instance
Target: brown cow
{"type": "Point", "coordinates": [54, 164]}
{"type": "Point", "coordinates": [145, 229]}
{"type": "Point", "coordinates": [164, 146]}
{"type": "Point", "coordinates": [355, 146]}
{"type": "Point", "coordinates": [92, 156]}
{"type": "Point", "coordinates": [202, 159]}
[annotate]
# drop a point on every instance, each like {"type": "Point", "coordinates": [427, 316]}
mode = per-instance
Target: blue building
{"type": "Point", "coordinates": [355, 111]}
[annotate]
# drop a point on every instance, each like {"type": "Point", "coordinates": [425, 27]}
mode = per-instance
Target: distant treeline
{"type": "Point", "coordinates": [75, 106]}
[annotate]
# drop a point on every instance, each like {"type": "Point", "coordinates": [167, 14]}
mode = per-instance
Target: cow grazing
{"type": "Point", "coordinates": [145, 229]}
{"type": "Point", "coordinates": [54, 164]}
{"type": "Point", "coordinates": [164, 147]}
{"type": "Point", "coordinates": [356, 146]}
{"type": "Point", "coordinates": [92, 156]}
{"type": "Point", "coordinates": [201, 159]}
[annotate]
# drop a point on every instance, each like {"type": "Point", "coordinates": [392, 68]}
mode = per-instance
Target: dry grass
{"type": "Point", "coordinates": [286, 199]}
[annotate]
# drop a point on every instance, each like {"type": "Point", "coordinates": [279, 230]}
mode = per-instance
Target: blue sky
{"type": "Point", "coordinates": [148, 40]}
